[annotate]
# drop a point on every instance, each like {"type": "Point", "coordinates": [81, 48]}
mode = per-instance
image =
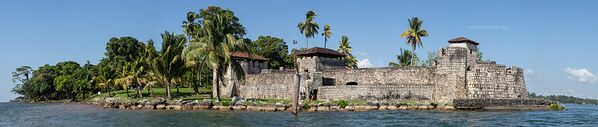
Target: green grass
{"type": "Point", "coordinates": [184, 94]}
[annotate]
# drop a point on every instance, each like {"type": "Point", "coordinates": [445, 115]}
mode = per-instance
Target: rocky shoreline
{"type": "Point", "coordinates": [182, 105]}
{"type": "Point", "coordinates": [247, 105]}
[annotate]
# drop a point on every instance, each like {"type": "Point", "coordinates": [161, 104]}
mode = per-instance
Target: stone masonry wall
{"type": "Point", "coordinates": [380, 83]}
{"type": "Point", "coordinates": [457, 73]}
{"type": "Point", "coordinates": [267, 85]}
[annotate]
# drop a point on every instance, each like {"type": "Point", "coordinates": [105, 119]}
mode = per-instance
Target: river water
{"type": "Point", "coordinates": [81, 115]}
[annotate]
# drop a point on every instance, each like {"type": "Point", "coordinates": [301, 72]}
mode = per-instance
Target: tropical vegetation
{"type": "Point", "coordinates": [344, 48]}
{"type": "Point", "coordinates": [413, 34]}
{"type": "Point", "coordinates": [309, 27]}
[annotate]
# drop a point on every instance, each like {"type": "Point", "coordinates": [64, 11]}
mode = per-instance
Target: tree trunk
{"type": "Point", "coordinates": [177, 89]}
{"type": "Point", "coordinates": [215, 85]}
{"type": "Point", "coordinates": [139, 91]}
{"type": "Point", "coordinates": [168, 88]}
{"type": "Point", "coordinates": [306, 42]}
{"type": "Point", "coordinates": [195, 86]}
{"type": "Point", "coordinates": [127, 90]}
{"type": "Point", "coordinates": [412, 56]}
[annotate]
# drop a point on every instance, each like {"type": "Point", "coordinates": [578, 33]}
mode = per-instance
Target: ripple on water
{"type": "Point", "coordinates": [17, 114]}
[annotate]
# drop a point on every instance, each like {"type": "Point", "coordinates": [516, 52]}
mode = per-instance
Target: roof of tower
{"type": "Point", "coordinates": [319, 51]}
{"type": "Point", "coordinates": [462, 40]}
{"type": "Point", "coordinates": [246, 55]}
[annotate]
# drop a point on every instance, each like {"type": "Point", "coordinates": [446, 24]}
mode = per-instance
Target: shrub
{"type": "Point", "coordinates": [556, 107]}
{"type": "Point", "coordinates": [342, 103]}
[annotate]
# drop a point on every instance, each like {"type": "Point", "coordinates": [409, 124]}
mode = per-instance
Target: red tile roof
{"type": "Point", "coordinates": [246, 55]}
{"type": "Point", "coordinates": [319, 51]}
{"type": "Point", "coordinates": [462, 40]}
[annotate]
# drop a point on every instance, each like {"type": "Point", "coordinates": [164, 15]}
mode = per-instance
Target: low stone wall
{"type": "Point", "coordinates": [519, 103]}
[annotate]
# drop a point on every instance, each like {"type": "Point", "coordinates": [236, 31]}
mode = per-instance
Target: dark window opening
{"type": "Point", "coordinates": [351, 83]}
{"type": "Point", "coordinates": [328, 81]}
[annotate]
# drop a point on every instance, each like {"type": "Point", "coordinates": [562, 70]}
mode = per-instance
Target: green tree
{"type": "Point", "coordinates": [21, 76]}
{"type": "Point", "coordinates": [406, 58]}
{"type": "Point", "coordinates": [414, 33]}
{"type": "Point", "coordinates": [169, 65]}
{"type": "Point", "coordinates": [275, 49]}
{"type": "Point", "coordinates": [190, 25]}
{"type": "Point", "coordinates": [344, 48]}
{"type": "Point", "coordinates": [327, 33]}
{"type": "Point", "coordinates": [104, 79]}
{"type": "Point", "coordinates": [219, 34]}
{"type": "Point", "coordinates": [431, 57]}
{"type": "Point", "coordinates": [308, 27]}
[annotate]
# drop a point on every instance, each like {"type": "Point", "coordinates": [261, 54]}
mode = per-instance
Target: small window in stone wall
{"type": "Point", "coordinates": [328, 81]}
{"type": "Point", "coordinates": [351, 83]}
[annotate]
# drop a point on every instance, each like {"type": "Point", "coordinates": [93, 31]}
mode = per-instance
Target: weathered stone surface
{"type": "Point", "coordinates": [504, 103]}
{"type": "Point", "coordinates": [392, 107]}
{"type": "Point", "coordinates": [161, 106]}
{"type": "Point", "coordinates": [239, 107]}
{"type": "Point", "coordinates": [148, 106]}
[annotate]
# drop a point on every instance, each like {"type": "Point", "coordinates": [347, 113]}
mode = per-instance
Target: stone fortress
{"type": "Point", "coordinates": [457, 73]}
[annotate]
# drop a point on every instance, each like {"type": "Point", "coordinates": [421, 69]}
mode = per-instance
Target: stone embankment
{"type": "Point", "coordinates": [162, 104]}
{"type": "Point", "coordinates": [502, 104]}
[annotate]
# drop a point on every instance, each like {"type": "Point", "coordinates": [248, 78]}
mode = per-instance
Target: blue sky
{"type": "Point", "coordinates": [555, 41]}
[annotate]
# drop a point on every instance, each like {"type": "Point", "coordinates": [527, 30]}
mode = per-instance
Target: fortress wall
{"type": "Point", "coordinates": [378, 83]}
{"type": "Point", "coordinates": [495, 81]}
{"type": "Point", "coordinates": [451, 66]}
{"type": "Point", "coordinates": [267, 85]}
{"type": "Point", "coordinates": [487, 81]}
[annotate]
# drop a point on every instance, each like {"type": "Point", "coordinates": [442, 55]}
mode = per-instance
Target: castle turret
{"type": "Point", "coordinates": [319, 59]}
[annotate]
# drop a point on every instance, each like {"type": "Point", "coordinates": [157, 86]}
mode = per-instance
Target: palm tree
{"type": "Point", "coordinates": [190, 25]}
{"type": "Point", "coordinates": [414, 33]}
{"type": "Point", "coordinates": [215, 55]}
{"type": "Point", "coordinates": [308, 27]}
{"type": "Point", "coordinates": [327, 33]}
{"type": "Point", "coordinates": [218, 34]}
{"type": "Point", "coordinates": [344, 48]}
{"type": "Point", "coordinates": [406, 58]}
{"type": "Point", "coordinates": [169, 64]}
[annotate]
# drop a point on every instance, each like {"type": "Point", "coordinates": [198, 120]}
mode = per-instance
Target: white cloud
{"type": "Point", "coordinates": [581, 75]}
{"type": "Point", "coordinates": [365, 63]}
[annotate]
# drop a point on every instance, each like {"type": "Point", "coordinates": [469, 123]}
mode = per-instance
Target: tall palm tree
{"type": "Point", "coordinates": [414, 33]}
{"type": "Point", "coordinates": [169, 63]}
{"type": "Point", "coordinates": [190, 25]}
{"type": "Point", "coordinates": [218, 34]}
{"type": "Point", "coordinates": [308, 27]}
{"type": "Point", "coordinates": [215, 55]}
{"type": "Point", "coordinates": [327, 33]}
{"type": "Point", "coordinates": [344, 48]}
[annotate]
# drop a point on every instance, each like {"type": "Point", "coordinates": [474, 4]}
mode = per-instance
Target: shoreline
{"type": "Point", "coordinates": [163, 104]}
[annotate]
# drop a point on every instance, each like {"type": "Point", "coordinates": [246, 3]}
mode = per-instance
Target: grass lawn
{"type": "Point", "coordinates": [184, 93]}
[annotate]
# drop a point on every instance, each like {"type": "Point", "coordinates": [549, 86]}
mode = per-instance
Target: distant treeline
{"type": "Point", "coordinates": [565, 99]}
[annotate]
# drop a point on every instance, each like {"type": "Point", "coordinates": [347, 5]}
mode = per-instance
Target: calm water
{"type": "Point", "coordinates": [16, 114]}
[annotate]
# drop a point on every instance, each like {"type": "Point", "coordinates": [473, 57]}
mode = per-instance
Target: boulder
{"type": "Point", "coordinates": [323, 108]}
{"type": "Point", "coordinates": [393, 107]}
{"type": "Point", "coordinates": [149, 106]}
{"type": "Point", "coordinates": [161, 106]}
{"type": "Point", "coordinates": [383, 107]}
{"type": "Point", "coordinates": [335, 108]}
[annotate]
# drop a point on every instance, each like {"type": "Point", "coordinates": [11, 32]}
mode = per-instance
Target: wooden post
{"type": "Point", "coordinates": [295, 98]}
